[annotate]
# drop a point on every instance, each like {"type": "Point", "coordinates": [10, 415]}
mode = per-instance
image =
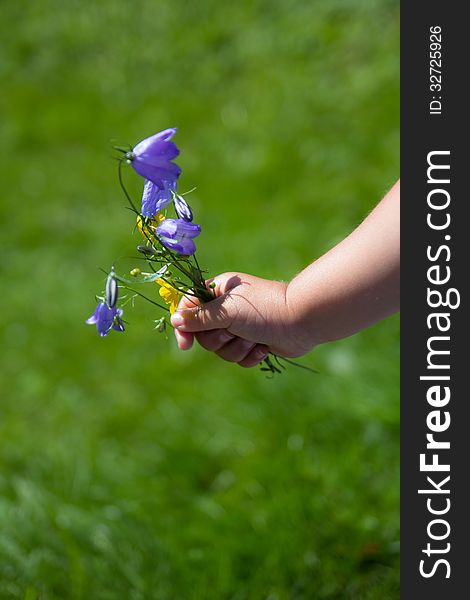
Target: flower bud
{"type": "Point", "coordinates": [182, 208]}
{"type": "Point", "coordinates": [147, 250]}
{"type": "Point", "coordinates": [136, 272]}
{"type": "Point", "coordinates": [160, 325]}
{"type": "Point", "coordinates": [111, 290]}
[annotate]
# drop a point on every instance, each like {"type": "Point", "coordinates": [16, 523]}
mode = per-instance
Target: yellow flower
{"type": "Point", "coordinates": [169, 294]}
{"type": "Point", "coordinates": [148, 230]}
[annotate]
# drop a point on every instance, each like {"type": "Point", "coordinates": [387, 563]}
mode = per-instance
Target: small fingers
{"type": "Point", "coordinates": [214, 339]}
{"type": "Point", "coordinates": [227, 346]}
{"type": "Point", "coordinates": [236, 350]}
{"type": "Point", "coordinates": [254, 356]}
{"type": "Point", "coordinates": [183, 339]}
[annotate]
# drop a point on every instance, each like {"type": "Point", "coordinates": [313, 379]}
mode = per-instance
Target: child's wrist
{"type": "Point", "coordinates": [299, 320]}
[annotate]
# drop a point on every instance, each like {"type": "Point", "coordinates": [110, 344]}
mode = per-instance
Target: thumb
{"type": "Point", "coordinates": [215, 314]}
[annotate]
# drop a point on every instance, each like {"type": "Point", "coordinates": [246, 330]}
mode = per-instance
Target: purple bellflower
{"type": "Point", "coordinates": [106, 318]}
{"type": "Point", "coordinates": [182, 208]}
{"type": "Point", "coordinates": [155, 198]}
{"type": "Point", "coordinates": [106, 315]}
{"type": "Point", "coordinates": [152, 157]}
{"type": "Point", "coordinates": [178, 234]}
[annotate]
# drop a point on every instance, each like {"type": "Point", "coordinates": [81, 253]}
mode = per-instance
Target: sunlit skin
{"type": "Point", "coordinates": [352, 286]}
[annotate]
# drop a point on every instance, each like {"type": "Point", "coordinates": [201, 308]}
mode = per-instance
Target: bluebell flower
{"type": "Point", "coordinates": [106, 318]}
{"type": "Point", "coordinates": [182, 208]}
{"type": "Point", "coordinates": [106, 315]}
{"type": "Point", "coordinates": [154, 198]}
{"type": "Point", "coordinates": [178, 234]}
{"type": "Point", "coordinates": [152, 157]}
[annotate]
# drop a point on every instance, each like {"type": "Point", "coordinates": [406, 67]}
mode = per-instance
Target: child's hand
{"type": "Point", "coordinates": [350, 287]}
{"type": "Point", "coordinates": [249, 318]}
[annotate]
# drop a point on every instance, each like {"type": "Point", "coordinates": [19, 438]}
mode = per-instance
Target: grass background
{"type": "Point", "coordinates": [128, 469]}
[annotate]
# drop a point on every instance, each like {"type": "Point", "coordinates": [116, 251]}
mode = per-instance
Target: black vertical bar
{"type": "Point", "coordinates": [424, 130]}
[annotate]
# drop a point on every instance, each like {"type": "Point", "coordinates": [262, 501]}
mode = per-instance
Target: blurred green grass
{"type": "Point", "coordinates": [128, 469]}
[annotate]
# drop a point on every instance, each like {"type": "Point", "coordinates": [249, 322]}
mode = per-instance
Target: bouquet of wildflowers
{"type": "Point", "coordinates": [168, 247]}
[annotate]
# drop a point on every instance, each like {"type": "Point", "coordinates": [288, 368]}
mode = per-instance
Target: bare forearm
{"type": "Point", "coordinates": [353, 285]}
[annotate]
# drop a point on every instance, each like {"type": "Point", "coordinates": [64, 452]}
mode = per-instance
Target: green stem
{"type": "Point", "coordinates": [146, 298]}
{"type": "Point", "coordinates": [123, 187]}
{"type": "Point", "coordinates": [181, 290]}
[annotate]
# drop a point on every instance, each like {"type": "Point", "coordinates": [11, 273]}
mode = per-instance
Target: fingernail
{"type": "Point", "coordinates": [177, 320]}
